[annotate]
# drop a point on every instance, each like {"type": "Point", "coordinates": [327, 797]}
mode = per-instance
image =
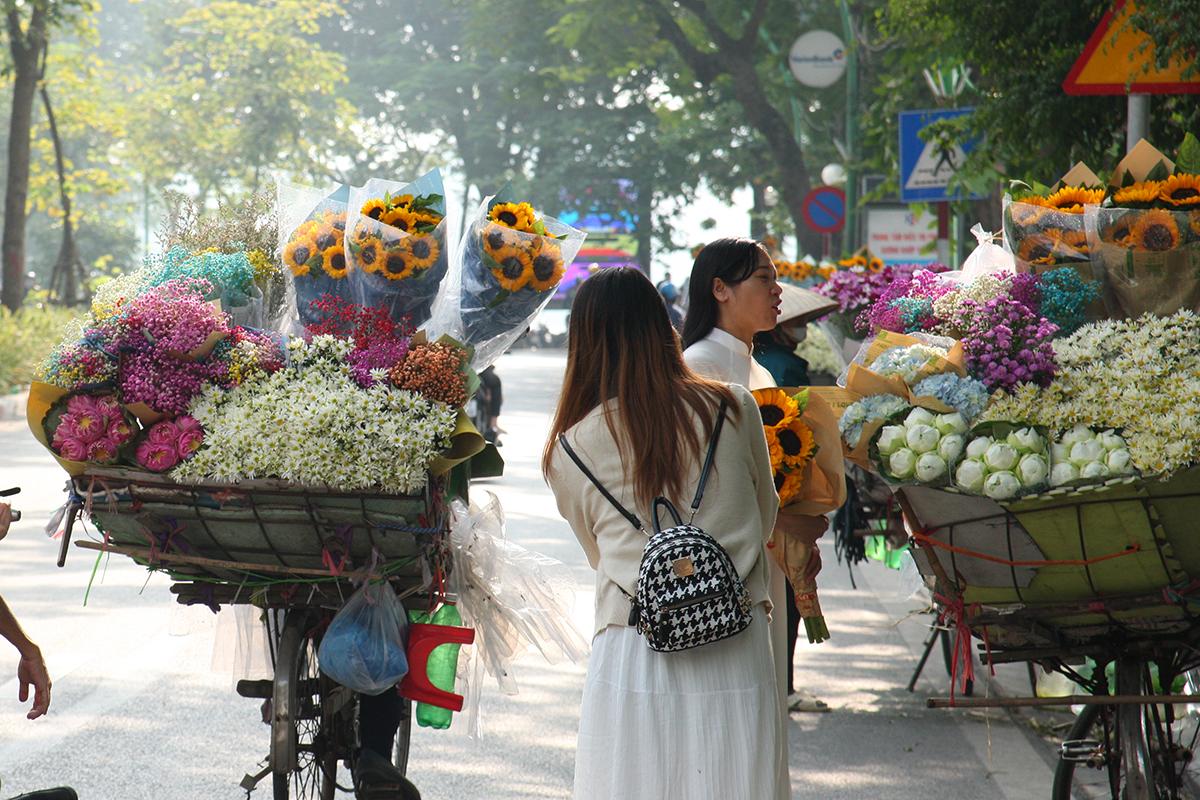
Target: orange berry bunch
{"type": "Point", "coordinates": [435, 370]}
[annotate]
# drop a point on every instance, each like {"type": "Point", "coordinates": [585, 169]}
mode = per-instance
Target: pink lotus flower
{"type": "Point", "coordinates": [157, 457]}
{"type": "Point", "coordinates": [164, 432]}
{"type": "Point", "coordinates": [73, 449]}
{"type": "Point", "coordinates": [102, 451]}
{"type": "Point", "coordinates": [120, 431]}
{"type": "Point", "coordinates": [187, 423]}
{"type": "Point", "coordinates": [85, 426]}
{"type": "Point", "coordinates": [189, 442]}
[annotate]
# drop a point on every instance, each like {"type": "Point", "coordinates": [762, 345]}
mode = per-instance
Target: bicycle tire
{"type": "Point", "coordinates": [303, 766]}
{"type": "Point", "coordinates": [403, 737]}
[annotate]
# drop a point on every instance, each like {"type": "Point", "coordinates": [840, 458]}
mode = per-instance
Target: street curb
{"type": "Point", "coordinates": [12, 406]}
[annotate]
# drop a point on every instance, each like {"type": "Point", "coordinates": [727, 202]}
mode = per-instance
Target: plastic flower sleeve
{"type": "Point", "coordinates": [312, 225]}
{"type": "Point", "coordinates": [396, 246]}
{"type": "Point", "coordinates": [501, 280]}
{"type": "Point", "coordinates": [1147, 258]}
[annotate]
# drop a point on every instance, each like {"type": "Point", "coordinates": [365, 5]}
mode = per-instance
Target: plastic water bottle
{"type": "Point", "coordinates": [441, 669]}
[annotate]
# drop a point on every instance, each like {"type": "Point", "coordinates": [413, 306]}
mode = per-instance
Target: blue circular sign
{"type": "Point", "coordinates": [824, 209]}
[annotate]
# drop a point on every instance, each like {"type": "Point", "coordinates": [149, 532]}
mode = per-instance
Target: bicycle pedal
{"type": "Point", "coordinates": [260, 689]}
{"type": "Point", "coordinates": [1080, 750]}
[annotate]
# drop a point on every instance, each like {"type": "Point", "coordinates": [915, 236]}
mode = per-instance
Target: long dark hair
{"type": "Point", "coordinates": [621, 346]}
{"type": "Point", "coordinates": [731, 260]}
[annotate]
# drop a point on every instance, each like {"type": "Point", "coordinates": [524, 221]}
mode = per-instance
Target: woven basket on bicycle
{"type": "Point", "coordinates": [262, 541]}
{"type": "Point", "coordinates": [1071, 572]}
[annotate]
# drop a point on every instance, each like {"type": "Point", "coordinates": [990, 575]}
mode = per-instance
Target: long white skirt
{"type": "Point", "coordinates": [701, 723]}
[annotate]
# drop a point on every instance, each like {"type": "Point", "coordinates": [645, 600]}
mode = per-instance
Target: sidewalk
{"type": "Point", "coordinates": [12, 406]}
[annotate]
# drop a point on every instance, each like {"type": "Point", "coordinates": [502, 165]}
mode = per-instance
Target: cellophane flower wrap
{"type": "Point", "coordinates": [230, 275]}
{"type": "Point", "coordinates": [1045, 229]}
{"type": "Point", "coordinates": [312, 248]}
{"type": "Point", "coordinates": [1004, 460]}
{"type": "Point", "coordinates": [396, 246]}
{"type": "Point", "coordinates": [507, 268]}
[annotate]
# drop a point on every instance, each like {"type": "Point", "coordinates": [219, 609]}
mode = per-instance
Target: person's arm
{"type": "Point", "coordinates": [31, 669]}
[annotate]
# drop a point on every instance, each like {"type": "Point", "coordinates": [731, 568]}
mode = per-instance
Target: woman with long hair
{"type": "Point", "coordinates": [733, 295]}
{"type": "Point", "coordinates": [698, 723]}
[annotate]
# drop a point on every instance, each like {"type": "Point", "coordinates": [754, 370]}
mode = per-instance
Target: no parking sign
{"type": "Point", "coordinates": [824, 209]}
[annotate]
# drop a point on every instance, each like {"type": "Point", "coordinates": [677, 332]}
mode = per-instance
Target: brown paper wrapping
{"type": "Point", "coordinates": [1137, 282]}
{"type": "Point", "coordinates": [42, 397]}
{"type": "Point", "coordinates": [824, 487]}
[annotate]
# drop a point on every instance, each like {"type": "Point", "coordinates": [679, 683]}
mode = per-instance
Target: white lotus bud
{"type": "Point", "coordinates": [891, 439]}
{"type": "Point", "coordinates": [1111, 441]}
{"type": "Point", "coordinates": [1000, 456]}
{"type": "Point", "coordinates": [1032, 470]}
{"type": "Point", "coordinates": [1027, 440]}
{"type": "Point", "coordinates": [1087, 451]}
{"type": "Point", "coordinates": [918, 416]}
{"type": "Point", "coordinates": [922, 438]}
{"type": "Point", "coordinates": [951, 447]}
{"type": "Point", "coordinates": [979, 446]}
{"type": "Point", "coordinates": [902, 463]}
{"type": "Point", "coordinates": [1093, 470]}
{"type": "Point", "coordinates": [1079, 433]}
{"type": "Point", "coordinates": [970, 475]}
{"type": "Point", "coordinates": [930, 467]}
{"type": "Point", "coordinates": [1119, 462]}
{"type": "Point", "coordinates": [1063, 472]}
{"type": "Point", "coordinates": [950, 423]}
{"type": "Point", "coordinates": [1060, 453]}
{"type": "Point", "coordinates": [1001, 485]}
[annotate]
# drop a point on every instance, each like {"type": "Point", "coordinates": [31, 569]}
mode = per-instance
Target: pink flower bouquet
{"type": "Point", "coordinates": [169, 442]}
{"type": "Point", "coordinates": [89, 428]}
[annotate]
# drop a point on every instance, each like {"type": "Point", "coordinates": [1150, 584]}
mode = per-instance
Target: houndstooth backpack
{"type": "Point", "coordinates": [688, 591]}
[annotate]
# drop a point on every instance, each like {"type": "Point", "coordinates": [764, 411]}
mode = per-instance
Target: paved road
{"type": "Point", "coordinates": [139, 713]}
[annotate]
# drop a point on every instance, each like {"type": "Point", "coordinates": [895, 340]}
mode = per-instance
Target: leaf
{"type": "Point", "coordinates": [1160, 172]}
{"type": "Point", "coordinates": [1188, 159]}
{"type": "Point", "coordinates": [801, 398]}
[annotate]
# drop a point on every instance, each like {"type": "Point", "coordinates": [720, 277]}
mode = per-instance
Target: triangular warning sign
{"type": "Point", "coordinates": [935, 167]}
{"type": "Point", "coordinates": [1119, 59]}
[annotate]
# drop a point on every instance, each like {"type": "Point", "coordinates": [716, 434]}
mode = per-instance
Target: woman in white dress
{"type": "Point", "coordinates": [733, 294]}
{"type": "Point", "coordinates": [699, 723]}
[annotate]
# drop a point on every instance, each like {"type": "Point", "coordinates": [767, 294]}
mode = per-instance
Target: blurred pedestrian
{"type": "Point", "coordinates": [669, 297]}
{"type": "Point", "coordinates": [734, 295]}
{"type": "Point", "coordinates": [702, 722]}
{"type": "Point", "coordinates": [490, 397]}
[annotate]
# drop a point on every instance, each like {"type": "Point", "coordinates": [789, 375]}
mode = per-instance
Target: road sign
{"type": "Point", "coordinates": [925, 167]}
{"type": "Point", "coordinates": [1119, 59]}
{"type": "Point", "coordinates": [824, 209]}
{"type": "Point", "coordinates": [818, 59]}
{"type": "Point", "coordinates": [900, 235]}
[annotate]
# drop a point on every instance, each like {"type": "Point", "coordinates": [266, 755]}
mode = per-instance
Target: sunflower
{"type": "Point", "coordinates": [374, 209]}
{"type": "Point", "coordinates": [337, 221]}
{"type": "Point", "coordinates": [797, 442]}
{"type": "Point", "coordinates": [1181, 190]}
{"type": "Point", "coordinates": [1038, 248]}
{"type": "Point", "coordinates": [1028, 211]}
{"type": "Point", "coordinates": [370, 254]}
{"type": "Point", "coordinates": [422, 251]}
{"type": "Point", "coordinates": [395, 264]}
{"type": "Point", "coordinates": [401, 219]}
{"type": "Point", "coordinates": [518, 216]}
{"type": "Point", "coordinates": [548, 267]}
{"type": "Point", "coordinates": [876, 264]}
{"type": "Point", "coordinates": [333, 261]}
{"type": "Point", "coordinates": [1156, 230]}
{"type": "Point", "coordinates": [789, 488]}
{"type": "Point", "coordinates": [1142, 193]}
{"type": "Point", "coordinates": [1072, 199]}
{"type": "Point", "coordinates": [773, 448]}
{"type": "Point", "coordinates": [826, 272]}
{"type": "Point", "coordinates": [513, 268]}
{"type": "Point", "coordinates": [777, 409]}
{"type": "Point", "coordinates": [858, 261]}
{"type": "Point", "coordinates": [400, 201]}
{"type": "Point", "coordinates": [306, 228]}
{"type": "Point", "coordinates": [327, 237]}
{"type": "Point", "coordinates": [846, 263]}
{"type": "Point", "coordinates": [1072, 244]}
{"type": "Point", "coordinates": [497, 237]}
{"type": "Point", "coordinates": [297, 253]}
{"type": "Point", "coordinates": [1119, 231]}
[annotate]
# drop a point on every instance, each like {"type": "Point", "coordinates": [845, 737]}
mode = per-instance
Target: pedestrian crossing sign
{"type": "Point", "coordinates": [926, 167]}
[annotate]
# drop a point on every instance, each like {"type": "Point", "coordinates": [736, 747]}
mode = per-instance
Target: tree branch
{"type": "Point", "coordinates": [698, 7]}
{"type": "Point", "coordinates": [16, 37]}
{"type": "Point", "coordinates": [750, 32]}
{"type": "Point", "coordinates": [705, 65]}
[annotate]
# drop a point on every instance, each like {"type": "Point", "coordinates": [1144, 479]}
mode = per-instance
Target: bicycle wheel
{"type": "Point", "coordinates": [1129, 752]}
{"type": "Point", "coordinates": [303, 760]}
{"type": "Point", "coordinates": [403, 737]}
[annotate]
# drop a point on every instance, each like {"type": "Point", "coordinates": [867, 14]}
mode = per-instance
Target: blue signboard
{"type": "Point", "coordinates": [927, 167]}
{"type": "Point", "coordinates": [824, 209]}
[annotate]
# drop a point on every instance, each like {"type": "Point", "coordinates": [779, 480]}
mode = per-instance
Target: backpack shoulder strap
{"type": "Point", "coordinates": [629, 515]}
{"type": "Point", "coordinates": [708, 459]}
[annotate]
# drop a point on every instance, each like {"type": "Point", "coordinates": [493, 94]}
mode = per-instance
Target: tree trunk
{"type": "Point", "coordinates": [758, 211]}
{"type": "Point", "coordinates": [68, 268]}
{"type": "Point", "coordinates": [16, 192]}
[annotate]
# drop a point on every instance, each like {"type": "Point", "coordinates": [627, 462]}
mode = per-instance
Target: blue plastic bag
{"type": "Point", "coordinates": [364, 647]}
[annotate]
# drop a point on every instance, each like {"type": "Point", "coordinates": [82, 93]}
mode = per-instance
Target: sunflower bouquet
{"type": "Point", "coordinates": [312, 248]}
{"type": "Point", "coordinates": [509, 265]}
{"type": "Point", "coordinates": [792, 446]}
{"type": "Point", "coordinates": [1146, 235]}
{"type": "Point", "coordinates": [1044, 228]}
{"type": "Point", "coordinates": [397, 246]}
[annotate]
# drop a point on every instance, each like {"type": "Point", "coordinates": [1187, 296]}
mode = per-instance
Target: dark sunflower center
{"type": "Point", "coordinates": [326, 239]}
{"type": "Point", "coordinates": [1184, 193]}
{"type": "Point", "coordinates": [771, 415]}
{"type": "Point", "coordinates": [367, 254]}
{"type": "Point", "coordinates": [1040, 250]}
{"type": "Point", "coordinates": [401, 223]}
{"type": "Point", "coordinates": [395, 263]}
{"type": "Point", "coordinates": [301, 254]}
{"type": "Point", "coordinates": [339, 224]}
{"type": "Point", "coordinates": [512, 268]}
{"type": "Point", "coordinates": [495, 239]}
{"type": "Point", "coordinates": [338, 262]}
{"type": "Point", "coordinates": [779, 478]}
{"type": "Point", "coordinates": [1158, 237]}
{"type": "Point", "coordinates": [375, 213]}
{"type": "Point", "coordinates": [790, 442]}
{"type": "Point", "coordinates": [507, 217]}
{"type": "Point", "coordinates": [420, 248]}
{"type": "Point", "coordinates": [543, 268]}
